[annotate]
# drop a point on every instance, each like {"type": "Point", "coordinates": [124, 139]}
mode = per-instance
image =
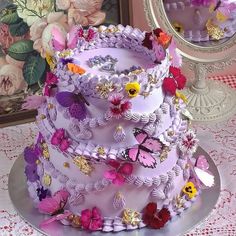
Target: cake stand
{"type": "Point", "coordinates": [190, 218]}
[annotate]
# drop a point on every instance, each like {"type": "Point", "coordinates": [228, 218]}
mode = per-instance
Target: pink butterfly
{"type": "Point", "coordinates": [202, 175]}
{"type": "Point", "coordinates": [61, 42]}
{"type": "Point", "coordinates": [59, 139]}
{"type": "Point", "coordinates": [142, 151]}
{"type": "Point", "coordinates": [54, 206]}
{"type": "Point", "coordinates": [117, 176]}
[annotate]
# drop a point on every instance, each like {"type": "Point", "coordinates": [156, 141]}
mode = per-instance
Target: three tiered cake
{"type": "Point", "coordinates": [114, 150]}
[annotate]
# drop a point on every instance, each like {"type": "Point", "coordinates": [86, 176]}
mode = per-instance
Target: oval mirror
{"type": "Point", "coordinates": [205, 34]}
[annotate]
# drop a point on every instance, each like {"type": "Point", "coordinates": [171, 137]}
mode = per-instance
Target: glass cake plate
{"type": "Point", "coordinates": [190, 218]}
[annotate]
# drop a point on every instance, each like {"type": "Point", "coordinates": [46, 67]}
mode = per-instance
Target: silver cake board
{"type": "Point", "coordinates": [190, 218]}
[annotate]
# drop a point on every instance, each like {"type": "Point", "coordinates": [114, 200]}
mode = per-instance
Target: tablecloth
{"type": "Point", "coordinates": [218, 139]}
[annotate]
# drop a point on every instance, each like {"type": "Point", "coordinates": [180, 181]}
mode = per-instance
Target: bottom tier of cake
{"type": "Point", "coordinates": [135, 202]}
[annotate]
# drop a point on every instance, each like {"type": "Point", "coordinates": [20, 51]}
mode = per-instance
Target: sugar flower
{"type": "Point", "coordinates": [188, 142]}
{"type": "Point", "coordinates": [50, 83]}
{"type": "Point", "coordinates": [153, 218]}
{"type": "Point", "coordinates": [91, 219]}
{"type": "Point", "coordinates": [133, 89]}
{"type": "Point", "coordinates": [31, 158]}
{"type": "Point", "coordinates": [175, 80]}
{"type": "Point", "coordinates": [131, 217]}
{"type": "Point", "coordinates": [190, 190]}
{"type": "Point", "coordinates": [42, 193]}
{"type": "Point", "coordinates": [117, 175]}
{"type": "Point", "coordinates": [119, 105]}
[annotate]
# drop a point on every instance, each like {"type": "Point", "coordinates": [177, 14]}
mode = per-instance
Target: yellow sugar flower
{"type": "Point", "coordinates": [133, 89]}
{"type": "Point", "coordinates": [178, 27]}
{"type": "Point", "coordinates": [47, 180]}
{"type": "Point", "coordinates": [190, 190]}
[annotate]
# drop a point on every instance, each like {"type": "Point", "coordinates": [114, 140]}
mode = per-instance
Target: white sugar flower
{"type": "Point", "coordinates": [188, 142]}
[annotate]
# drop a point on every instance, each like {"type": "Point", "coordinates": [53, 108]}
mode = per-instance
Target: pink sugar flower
{"type": "Point", "coordinates": [59, 139]}
{"type": "Point", "coordinates": [119, 105]}
{"type": "Point", "coordinates": [51, 81]}
{"type": "Point", "coordinates": [117, 175]}
{"type": "Point", "coordinates": [91, 219]}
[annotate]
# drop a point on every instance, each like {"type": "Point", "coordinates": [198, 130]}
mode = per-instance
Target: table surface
{"type": "Point", "coordinates": [218, 139]}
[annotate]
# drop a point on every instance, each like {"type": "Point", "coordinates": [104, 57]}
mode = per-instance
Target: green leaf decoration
{"type": "Point", "coordinates": [21, 50]}
{"type": "Point", "coordinates": [10, 17]}
{"type": "Point", "coordinates": [18, 29]}
{"type": "Point", "coordinates": [33, 69]}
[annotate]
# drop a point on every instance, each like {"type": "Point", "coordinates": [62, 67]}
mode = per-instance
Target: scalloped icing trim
{"type": "Point", "coordinates": [101, 184]}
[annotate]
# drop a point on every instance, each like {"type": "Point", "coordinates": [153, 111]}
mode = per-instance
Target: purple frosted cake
{"type": "Point", "coordinates": [202, 20]}
{"type": "Point", "coordinates": [114, 150]}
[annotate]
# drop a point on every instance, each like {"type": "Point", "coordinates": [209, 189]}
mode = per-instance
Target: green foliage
{"type": "Point", "coordinates": [34, 69]}
{"type": "Point", "coordinates": [21, 50]}
{"type": "Point", "coordinates": [18, 29]}
{"type": "Point", "coordinates": [9, 16]}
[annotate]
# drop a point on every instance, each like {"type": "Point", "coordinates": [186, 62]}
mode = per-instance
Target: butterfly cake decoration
{"type": "Point", "coordinates": [144, 150]}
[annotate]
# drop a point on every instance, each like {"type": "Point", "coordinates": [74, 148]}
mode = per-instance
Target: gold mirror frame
{"type": "Point", "coordinates": [207, 100]}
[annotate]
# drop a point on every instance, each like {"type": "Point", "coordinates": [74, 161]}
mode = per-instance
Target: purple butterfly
{"type": "Point", "coordinates": [142, 151]}
{"type": "Point", "coordinates": [75, 103]}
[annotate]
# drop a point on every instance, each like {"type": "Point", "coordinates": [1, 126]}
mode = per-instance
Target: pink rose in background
{"type": "Point", "coordinates": [2, 61]}
{"type": "Point", "coordinates": [11, 80]}
{"type": "Point", "coordinates": [6, 39]}
{"type": "Point", "coordinates": [63, 4]}
{"type": "Point", "coordinates": [14, 62]}
{"type": "Point", "coordinates": [86, 12]}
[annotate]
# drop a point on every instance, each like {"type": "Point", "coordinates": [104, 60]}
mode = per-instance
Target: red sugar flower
{"type": "Point", "coordinates": [149, 36]}
{"type": "Point", "coordinates": [119, 105]}
{"type": "Point", "coordinates": [91, 219]}
{"type": "Point", "coordinates": [174, 81]}
{"type": "Point", "coordinates": [153, 218]}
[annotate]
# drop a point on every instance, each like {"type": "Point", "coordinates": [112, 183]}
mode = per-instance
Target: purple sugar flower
{"type": "Point", "coordinates": [42, 193]}
{"type": "Point", "coordinates": [31, 157]}
{"type": "Point", "coordinates": [65, 61]}
{"type": "Point", "coordinates": [31, 173]}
